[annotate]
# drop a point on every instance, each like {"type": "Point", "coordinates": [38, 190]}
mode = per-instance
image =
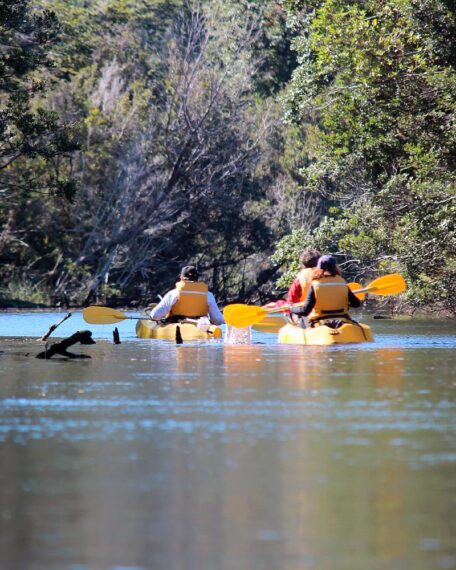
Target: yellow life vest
{"type": "Point", "coordinates": [192, 301]}
{"type": "Point", "coordinates": [331, 297]}
{"type": "Point", "coordinates": [304, 277]}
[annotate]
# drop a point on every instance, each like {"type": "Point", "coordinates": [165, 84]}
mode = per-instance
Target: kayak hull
{"type": "Point", "coordinates": [348, 333]}
{"type": "Point", "coordinates": [189, 331]}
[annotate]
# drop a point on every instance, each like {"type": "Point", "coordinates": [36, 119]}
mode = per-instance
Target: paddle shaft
{"type": "Point", "coordinates": [371, 289]}
{"type": "Point", "coordinates": [302, 303]}
{"type": "Point", "coordinates": [107, 316]}
{"type": "Point", "coordinates": [149, 318]}
{"type": "Point", "coordinates": [245, 315]}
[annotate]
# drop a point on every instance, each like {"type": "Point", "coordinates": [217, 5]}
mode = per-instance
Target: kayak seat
{"type": "Point", "coordinates": [178, 319]}
{"type": "Point", "coordinates": [334, 323]}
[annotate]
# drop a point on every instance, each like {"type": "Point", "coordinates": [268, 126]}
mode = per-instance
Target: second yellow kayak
{"type": "Point", "coordinates": [322, 334]}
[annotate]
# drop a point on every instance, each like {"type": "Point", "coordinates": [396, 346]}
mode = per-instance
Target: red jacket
{"type": "Point", "coordinates": [294, 292]}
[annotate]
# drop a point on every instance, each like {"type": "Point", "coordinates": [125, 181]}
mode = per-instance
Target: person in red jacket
{"type": "Point", "coordinates": [301, 284]}
{"type": "Point", "coordinates": [329, 296]}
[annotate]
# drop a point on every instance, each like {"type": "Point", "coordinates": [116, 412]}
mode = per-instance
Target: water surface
{"type": "Point", "coordinates": [205, 457]}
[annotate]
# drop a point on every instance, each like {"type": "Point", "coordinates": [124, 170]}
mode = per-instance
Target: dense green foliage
{"type": "Point", "coordinates": [140, 135]}
{"type": "Point", "coordinates": [175, 107]}
{"type": "Point", "coordinates": [375, 85]}
{"type": "Point", "coordinates": [33, 139]}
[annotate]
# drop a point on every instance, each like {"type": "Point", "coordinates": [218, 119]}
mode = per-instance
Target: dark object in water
{"type": "Point", "coordinates": [53, 327]}
{"type": "Point", "coordinates": [116, 336]}
{"type": "Point", "coordinates": [84, 337]}
{"type": "Point", "coordinates": [179, 339]}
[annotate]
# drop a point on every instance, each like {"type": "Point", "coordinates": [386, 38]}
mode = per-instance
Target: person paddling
{"type": "Point", "coordinates": [301, 284]}
{"type": "Point", "coordinates": [329, 296]}
{"type": "Point", "coordinates": [190, 299]}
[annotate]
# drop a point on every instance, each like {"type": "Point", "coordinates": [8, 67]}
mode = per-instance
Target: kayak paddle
{"type": "Point", "coordinates": [357, 287]}
{"type": "Point", "coordinates": [270, 325]}
{"type": "Point", "coordinates": [267, 324]}
{"type": "Point", "coordinates": [240, 315]}
{"type": "Point", "coordinates": [387, 285]}
{"type": "Point", "coordinates": [105, 315]}
{"type": "Point", "coordinates": [248, 315]}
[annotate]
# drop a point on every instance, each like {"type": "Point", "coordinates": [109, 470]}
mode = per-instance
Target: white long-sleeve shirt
{"type": "Point", "coordinates": [164, 307]}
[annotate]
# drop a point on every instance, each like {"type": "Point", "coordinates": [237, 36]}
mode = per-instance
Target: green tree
{"type": "Point", "coordinates": [174, 122]}
{"type": "Point", "coordinates": [181, 160]}
{"type": "Point", "coordinates": [27, 129]}
{"type": "Point", "coordinates": [375, 85]}
{"type": "Point", "coordinates": [34, 143]}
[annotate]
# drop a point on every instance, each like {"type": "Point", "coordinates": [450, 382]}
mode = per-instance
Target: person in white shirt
{"type": "Point", "coordinates": [190, 299]}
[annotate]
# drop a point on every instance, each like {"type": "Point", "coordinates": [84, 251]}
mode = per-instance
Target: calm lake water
{"type": "Point", "coordinates": [212, 457]}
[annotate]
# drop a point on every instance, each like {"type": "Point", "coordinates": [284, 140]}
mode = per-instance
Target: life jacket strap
{"type": "Point", "coordinates": [193, 293]}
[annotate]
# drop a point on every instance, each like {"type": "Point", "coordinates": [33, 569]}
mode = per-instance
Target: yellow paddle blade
{"type": "Point", "coordinates": [387, 285]}
{"type": "Point", "coordinates": [240, 316]}
{"type": "Point", "coordinates": [269, 325]}
{"type": "Point", "coordinates": [228, 309]}
{"type": "Point", "coordinates": [355, 287]}
{"type": "Point", "coordinates": [236, 308]}
{"type": "Point", "coordinates": [102, 315]}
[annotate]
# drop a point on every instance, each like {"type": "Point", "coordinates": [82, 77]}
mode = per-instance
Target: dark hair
{"type": "Point", "coordinates": [326, 267]}
{"type": "Point", "coordinates": [309, 258]}
{"type": "Point", "coordinates": [189, 273]}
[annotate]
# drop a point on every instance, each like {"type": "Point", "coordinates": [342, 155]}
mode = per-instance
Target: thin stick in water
{"type": "Point", "coordinates": [53, 327]}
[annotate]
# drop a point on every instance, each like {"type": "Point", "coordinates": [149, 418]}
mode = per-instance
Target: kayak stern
{"type": "Point", "coordinates": [146, 328]}
{"type": "Point", "coordinates": [348, 333]}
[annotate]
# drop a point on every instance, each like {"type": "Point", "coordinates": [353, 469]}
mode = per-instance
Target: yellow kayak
{"type": "Point", "coordinates": [188, 329]}
{"type": "Point", "coordinates": [322, 334]}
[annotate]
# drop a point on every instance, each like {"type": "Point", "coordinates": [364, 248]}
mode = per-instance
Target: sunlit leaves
{"type": "Point", "coordinates": [377, 79]}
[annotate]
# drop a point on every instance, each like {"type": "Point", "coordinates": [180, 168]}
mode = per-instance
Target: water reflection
{"type": "Point", "coordinates": [159, 456]}
{"type": "Point", "coordinates": [389, 368]}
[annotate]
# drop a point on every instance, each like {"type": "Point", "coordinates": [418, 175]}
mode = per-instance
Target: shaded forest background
{"type": "Point", "coordinates": [140, 135]}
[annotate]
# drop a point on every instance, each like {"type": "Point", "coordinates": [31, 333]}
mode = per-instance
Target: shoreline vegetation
{"type": "Point", "coordinates": [375, 308]}
{"type": "Point", "coordinates": [138, 137]}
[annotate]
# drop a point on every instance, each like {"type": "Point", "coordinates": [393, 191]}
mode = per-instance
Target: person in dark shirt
{"type": "Point", "coordinates": [329, 296]}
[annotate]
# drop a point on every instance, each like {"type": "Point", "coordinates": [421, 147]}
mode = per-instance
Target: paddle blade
{"type": "Point", "coordinates": [387, 285]}
{"type": "Point", "coordinates": [355, 287]}
{"type": "Point", "coordinates": [229, 309]}
{"type": "Point", "coordinates": [269, 325]}
{"type": "Point", "coordinates": [102, 315]}
{"type": "Point", "coordinates": [241, 316]}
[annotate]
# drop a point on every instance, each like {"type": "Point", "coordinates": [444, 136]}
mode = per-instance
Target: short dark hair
{"type": "Point", "coordinates": [309, 258]}
{"type": "Point", "coordinates": [189, 272]}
